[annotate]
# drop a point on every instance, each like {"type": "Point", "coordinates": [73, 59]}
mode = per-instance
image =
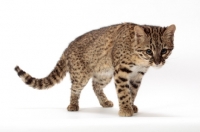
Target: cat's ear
{"type": "Point", "coordinates": [139, 34]}
{"type": "Point", "coordinates": [169, 32]}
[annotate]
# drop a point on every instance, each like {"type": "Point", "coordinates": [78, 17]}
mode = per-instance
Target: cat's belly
{"type": "Point", "coordinates": [105, 73]}
{"type": "Point", "coordinates": [104, 67]}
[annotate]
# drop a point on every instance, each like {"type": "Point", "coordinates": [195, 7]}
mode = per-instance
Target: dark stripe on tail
{"type": "Point", "coordinates": [19, 71]}
{"type": "Point", "coordinates": [54, 77]}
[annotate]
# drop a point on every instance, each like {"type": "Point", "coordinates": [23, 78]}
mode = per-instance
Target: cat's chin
{"type": "Point", "coordinates": [157, 66]}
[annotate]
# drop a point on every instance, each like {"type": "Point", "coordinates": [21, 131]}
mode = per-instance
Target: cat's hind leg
{"type": "Point", "coordinates": [79, 80]}
{"type": "Point", "coordinates": [99, 82]}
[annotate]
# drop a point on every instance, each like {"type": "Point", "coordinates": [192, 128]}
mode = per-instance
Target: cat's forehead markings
{"type": "Point", "coordinates": [155, 37]}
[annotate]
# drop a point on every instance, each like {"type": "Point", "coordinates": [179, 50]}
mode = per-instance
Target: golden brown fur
{"type": "Point", "coordinates": [125, 50]}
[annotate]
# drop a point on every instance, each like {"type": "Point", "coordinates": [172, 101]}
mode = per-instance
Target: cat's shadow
{"type": "Point", "coordinates": [99, 111]}
{"type": "Point", "coordinates": [114, 112]}
{"type": "Point", "coordinates": [147, 114]}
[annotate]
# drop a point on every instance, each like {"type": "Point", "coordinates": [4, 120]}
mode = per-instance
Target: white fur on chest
{"type": "Point", "coordinates": [136, 69]}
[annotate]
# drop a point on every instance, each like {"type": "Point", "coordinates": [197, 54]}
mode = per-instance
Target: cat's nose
{"type": "Point", "coordinates": [157, 60]}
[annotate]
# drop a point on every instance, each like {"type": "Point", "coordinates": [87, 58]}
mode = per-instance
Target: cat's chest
{"type": "Point", "coordinates": [138, 70]}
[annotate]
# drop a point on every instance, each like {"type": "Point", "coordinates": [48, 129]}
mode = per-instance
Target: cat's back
{"type": "Point", "coordinates": [93, 45]}
{"type": "Point", "coordinates": [94, 37]}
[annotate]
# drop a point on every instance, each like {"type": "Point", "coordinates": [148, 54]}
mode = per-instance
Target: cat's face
{"type": "Point", "coordinates": [154, 44]}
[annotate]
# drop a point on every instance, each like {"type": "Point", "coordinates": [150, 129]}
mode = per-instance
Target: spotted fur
{"type": "Point", "coordinates": [124, 51]}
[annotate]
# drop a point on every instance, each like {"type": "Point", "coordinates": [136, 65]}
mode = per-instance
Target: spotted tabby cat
{"type": "Point", "coordinates": [124, 51]}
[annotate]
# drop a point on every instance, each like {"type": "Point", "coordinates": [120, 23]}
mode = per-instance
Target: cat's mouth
{"type": "Point", "coordinates": [157, 65]}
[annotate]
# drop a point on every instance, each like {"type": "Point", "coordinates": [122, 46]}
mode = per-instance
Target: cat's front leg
{"type": "Point", "coordinates": [135, 82]}
{"type": "Point", "coordinates": [134, 87]}
{"type": "Point", "coordinates": [123, 91]}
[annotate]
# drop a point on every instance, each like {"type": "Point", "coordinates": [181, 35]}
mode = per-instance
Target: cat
{"type": "Point", "coordinates": [124, 51]}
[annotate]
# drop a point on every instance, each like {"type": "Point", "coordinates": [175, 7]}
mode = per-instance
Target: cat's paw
{"type": "Point", "coordinates": [107, 104]}
{"type": "Point", "coordinates": [73, 107]}
{"type": "Point", "coordinates": [135, 109]}
{"type": "Point", "coordinates": [125, 112]}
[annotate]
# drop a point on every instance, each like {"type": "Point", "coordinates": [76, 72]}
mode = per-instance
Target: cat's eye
{"type": "Point", "coordinates": [149, 52]}
{"type": "Point", "coordinates": [163, 51]}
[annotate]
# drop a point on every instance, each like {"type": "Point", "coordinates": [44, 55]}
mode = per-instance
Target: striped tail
{"type": "Point", "coordinates": [54, 77]}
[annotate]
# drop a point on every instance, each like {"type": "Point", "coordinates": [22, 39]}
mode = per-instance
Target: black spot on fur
{"type": "Point", "coordinates": [141, 73]}
{"type": "Point", "coordinates": [131, 63]}
{"type": "Point", "coordinates": [16, 68]}
{"type": "Point", "coordinates": [123, 62]}
{"type": "Point", "coordinates": [122, 97]}
{"type": "Point", "coordinates": [125, 70]}
{"type": "Point", "coordinates": [133, 84]}
{"type": "Point", "coordinates": [53, 76]}
{"type": "Point", "coordinates": [124, 86]}
{"type": "Point", "coordinates": [101, 84]}
{"type": "Point", "coordinates": [73, 90]}
{"type": "Point", "coordinates": [49, 81]}
{"type": "Point", "coordinates": [117, 81]}
{"type": "Point", "coordinates": [138, 82]}
{"type": "Point", "coordinates": [40, 84]}
{"type": "Point", "coordinates": [127, 86]}
{"type": "Point", "coordinates": [29, 81]}
{"type": "Point", "coordinates": [119, 90]}
{"type": "Point", "coordinates": [123, 79]}
{"type": "Point", "coordinates": [56, 72]}
{"type": "Point", "coordinates": [35, 84]}
{"type": "Point", "coordinates": [21, 73]}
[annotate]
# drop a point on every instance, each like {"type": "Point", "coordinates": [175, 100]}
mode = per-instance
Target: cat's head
{"type": "Point", "coordinates": [154, 44]}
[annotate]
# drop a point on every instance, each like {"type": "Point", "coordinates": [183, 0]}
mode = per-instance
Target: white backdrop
{"type": "Point", "coordinates": [33, 35]}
